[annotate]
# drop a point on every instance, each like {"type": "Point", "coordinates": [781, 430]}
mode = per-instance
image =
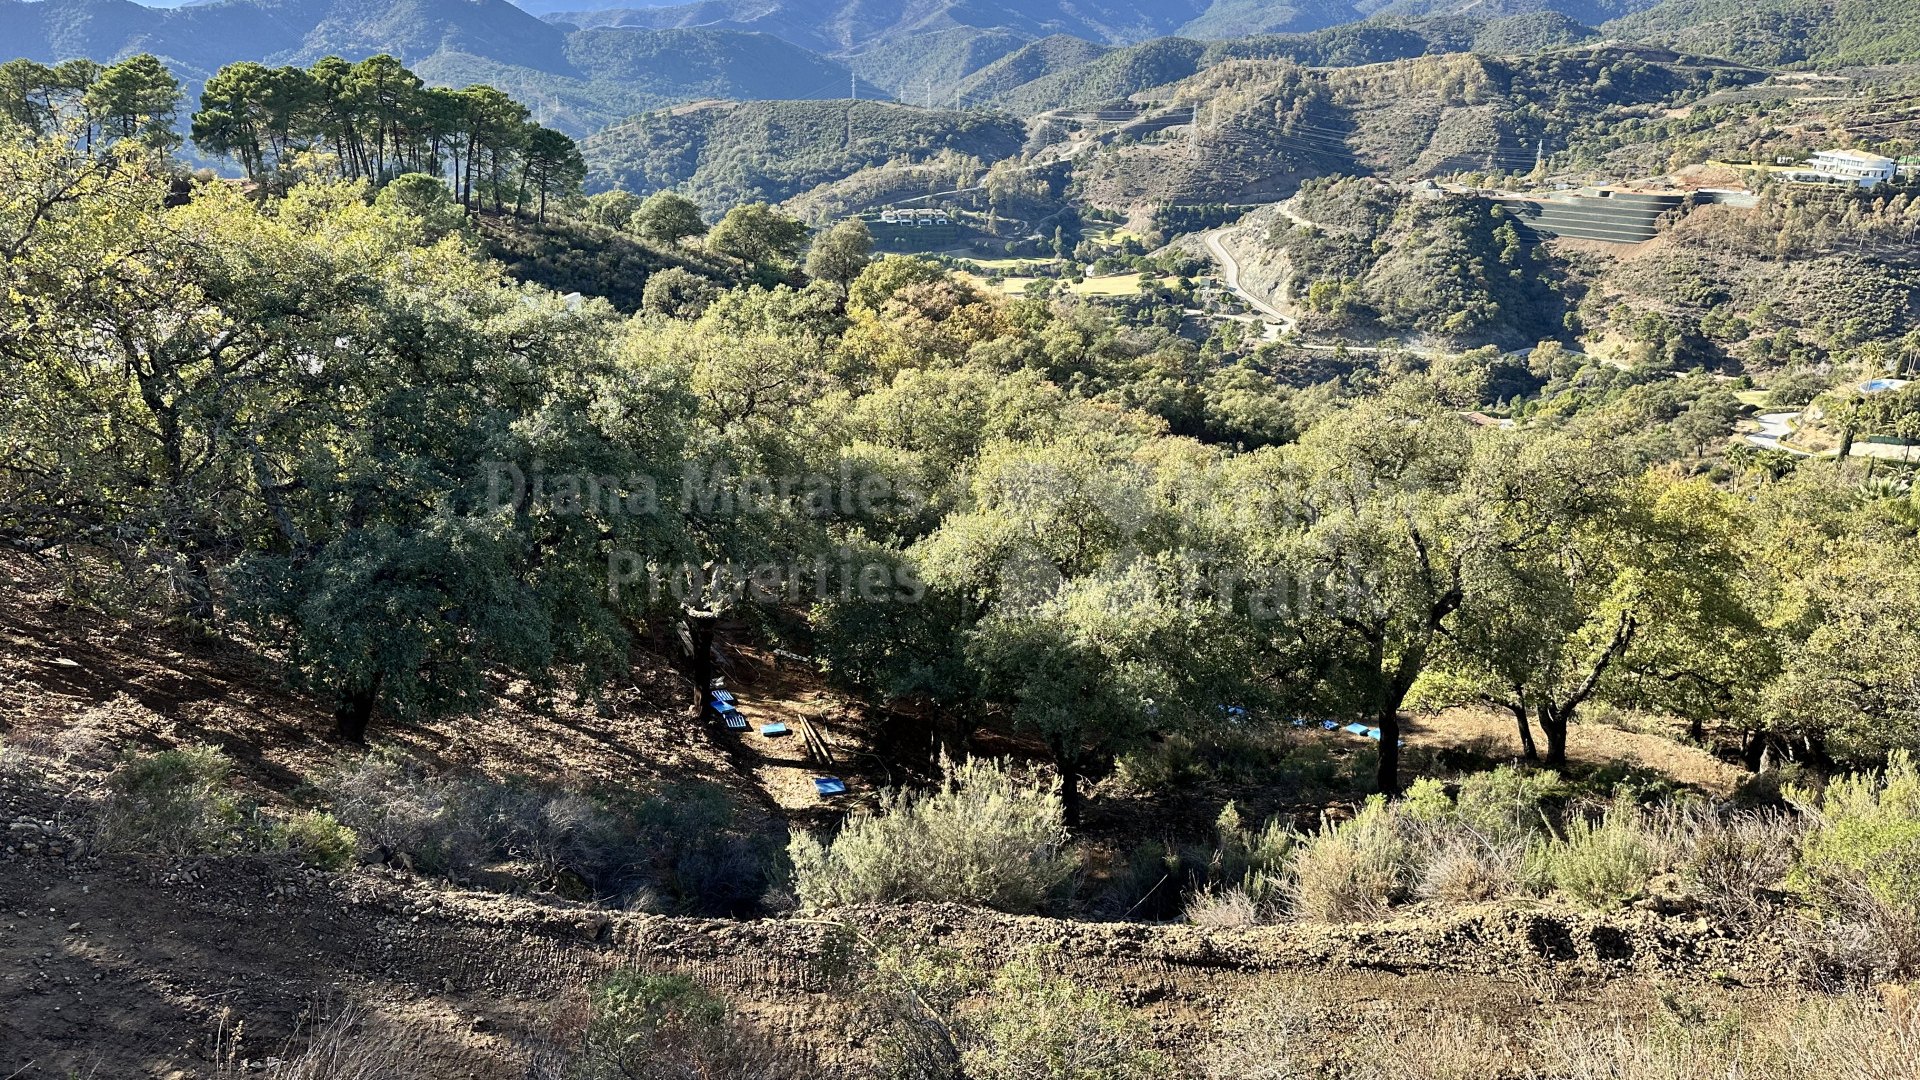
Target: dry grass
{"type": "Point", "coordinates": [1272, 1036]}
{"type": "Point", "coordinates": [350, 1044]}
{"type": "Point", "coordinates": [1467, 870]}
{"type": "Point", "coordinates": [1355, 870]}
{"type": "Point", "coordinates": [1221, 909]}
{"type": "Point", "coordinates": [1849, 1039]}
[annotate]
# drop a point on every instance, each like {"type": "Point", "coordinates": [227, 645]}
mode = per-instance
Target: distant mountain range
{"type": "Point", "coordinates": [586, 64]}
{"type": "Point", "coordinates": [576, 80]}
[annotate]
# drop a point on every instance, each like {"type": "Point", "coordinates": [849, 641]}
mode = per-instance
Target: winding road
{"type": "Point", "coordinates": [1279, 321]}
{"type": "Point", "coordinates": [1775, 427]}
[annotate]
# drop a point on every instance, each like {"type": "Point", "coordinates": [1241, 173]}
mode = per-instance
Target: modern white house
{"type": "Point", "coordinates": [1849, 167]}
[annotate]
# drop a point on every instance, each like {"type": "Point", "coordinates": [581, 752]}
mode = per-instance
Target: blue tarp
{"type": "Point", "coordinates": [773, 729]}
{"type": "Point", "coordinates": [829, 785]}
{"type": "Point", "coordinates": [1359, 729]}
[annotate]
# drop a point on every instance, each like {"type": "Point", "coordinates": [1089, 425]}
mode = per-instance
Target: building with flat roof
{"type": "Point", "coordinates": [1849, 167]}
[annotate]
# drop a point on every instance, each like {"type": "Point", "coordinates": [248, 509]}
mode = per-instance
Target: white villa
{"type": "Point", "coordinates": [1849, 167]}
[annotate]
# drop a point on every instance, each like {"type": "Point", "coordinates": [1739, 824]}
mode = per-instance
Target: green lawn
{"type": "Point", "coordinates": [1008, 264]}
{"type": "Point", "coordinates": [1117, 285]}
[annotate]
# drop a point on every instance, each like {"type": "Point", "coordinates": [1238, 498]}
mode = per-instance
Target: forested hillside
{"type": "Point", "coordinates": [1820, 33]}
{"type": "Point", "coordinates": [724, 154]}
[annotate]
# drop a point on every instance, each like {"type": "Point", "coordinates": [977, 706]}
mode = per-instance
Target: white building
{"type": "Point", "coordinates": [1850, 167]}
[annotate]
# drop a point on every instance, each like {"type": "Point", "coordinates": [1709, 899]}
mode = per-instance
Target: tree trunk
{"type": "Point", "coordinates": [1554, 723]}
{"type": "Point", "coordinates": [1387, 776]}
{"type": "Point", "coordinates": [701, 627]}
{"type": "Point", "coordinates": [1069, 790]}
{"type": "Point", "coordinates": [355, 712]}
{"type": "Point", "coordinates": [1528, 749]}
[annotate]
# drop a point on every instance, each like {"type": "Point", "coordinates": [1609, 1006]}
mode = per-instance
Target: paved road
{"type": "Point", "coordinates": [1773, 428]}
{"type": "Point", "coordinates": [1279, 322]}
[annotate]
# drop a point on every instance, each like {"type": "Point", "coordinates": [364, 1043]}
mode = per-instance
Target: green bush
{"type": "Point", "coordinates": [1509, 803]}
{"type": "Point", "coordinates": [317, 838]}
{"type": "Point", "coordinates": [664, 1027]}
{"type": "Point", "coordinates": [1868, 831]}
{"type": "Point", "coordinates": [986, 837]}
{"type": "Point", "coordinates": [1599, 863]}
{"type": "Point", "coordinates": [1506, 803]}
{"type": "Point", "coordinates": [174, 802]}
{"type": "Point", "coordinates": [1354, 870]}
{"type": "Point", "coordinates": [1248, 868]}
{"type": "Point", "coordinates": [1860, 871]}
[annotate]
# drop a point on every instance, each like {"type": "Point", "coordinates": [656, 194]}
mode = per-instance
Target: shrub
{"type": "Point", "coordinates": [1468, 869]}
{"type": "Point", "coordinates": [1731, 862]}
{"type": "Point", "coordinates": [664, 1027]}
{"type": "Point", "coordinates": [1242, 752]}
{"type": "Point", "coordinates": [1042, 1027]}
{"type": "Point", "coordinates": [1354, 870]}
{"type": "Point", "coordinates": [677, 849]}
{"type": "Point", "coordinates": [318, 839]}
{"type": "Point", "coordinates": [1599, 864]}
{"type": "Point", "coordinates": [1249, 861]}
{"type": "Point", "coordinates": [1857, 939]}
{"type": "Point", "coordinates": [1508, 802]}
{"type": "Point", "coordinates": [1868, 831]}
{"type": "Point", "coordinates": [405, 815]}
{"type": "Point", "coordinates": [1860, 870]}
{"type": "Point", "coordinates": [1146, 882]}
{"type": "Point", "coordinates": [174, 802]}
{"type": "Point", "coordinates": [986, 837]}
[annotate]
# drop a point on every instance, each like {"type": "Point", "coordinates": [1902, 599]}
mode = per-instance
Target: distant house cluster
{"type": "Point", "coordinates": [915, 217]}
{"type": "Point", "coordinates": [1851, 167]}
